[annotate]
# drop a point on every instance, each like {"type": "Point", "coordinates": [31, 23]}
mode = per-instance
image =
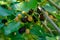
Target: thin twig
{"type": "Point", "coordinates": [48, 28]}
{"type": "Point", "coordinates": [54, 4]}
{"type": "Point", "coordinates": [51, 21]}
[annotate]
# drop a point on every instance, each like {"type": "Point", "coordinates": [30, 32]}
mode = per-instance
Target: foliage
{"type": "Point", "coordinates": [24, 13]}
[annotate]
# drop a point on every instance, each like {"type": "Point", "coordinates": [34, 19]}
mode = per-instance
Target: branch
{"type": "Point", "coordinates": [51, 21]}
{"type": "Point", "coordinates": [54, 4]}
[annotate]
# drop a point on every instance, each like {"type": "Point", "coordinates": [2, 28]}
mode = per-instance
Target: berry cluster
{"type": "Point", "coordinates": [29, 18]}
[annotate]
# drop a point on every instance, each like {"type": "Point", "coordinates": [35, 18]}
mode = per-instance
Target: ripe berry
{"type": "Point", "coordinates": [38, 11]}
{"type": "Point", "coordinates": [24, 19]}
{"type": "Point", "coordinates": [22, 30]}
{"type": "Point", "coordinates": [4, 21]}
{"type": "Point", "coordinates": [30, 12]}
{"type": "Point", "coordinates": [42, 17]}
{"type": "Point", "coordinates": [34, 18]}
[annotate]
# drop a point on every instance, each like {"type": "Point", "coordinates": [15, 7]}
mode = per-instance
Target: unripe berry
{"type": "Point", "coordinates": [6, 23]}
{"type": "Point", "coordinates": [16, 19]}
{"type": "Point", "coordinates": [27, 31]}
{"type": "Point", "coordinates": [51, 16]}
{"type": "Point", "coordinates": [30, 18]}
{"type": "Point", "coordinates": [23, 12]}
{"type": "Point", "coordinates": [19, 15]}
{"type": "Point", "coordinates": [14, 33]}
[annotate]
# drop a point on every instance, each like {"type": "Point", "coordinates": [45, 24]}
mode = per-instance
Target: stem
{"type": "Point", "coordinates": [51, 21]}
{"type": "Point", "coordinates": [54, 4]}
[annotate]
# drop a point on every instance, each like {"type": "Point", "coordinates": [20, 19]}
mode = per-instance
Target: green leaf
{"type": "Point", "coordinates": [50, 26]}
{"type": "Point", "coordinates": [11, 1]}
{"type": "Point", "coordinates": [37, 30]}
{"type": "Point", "coordinates": [25, 6]}
{"type": "Point", "coordinates": [50, 8]}
{"type": "Point", "coordinates": [17, 36]}
{"type": "Point", "coordinates": [5, 12]}
{"type": "Point", "coordinates": [39, 0]}
{"type": "Point", "coordinates": [1, 25]}
{"type": "Point", "coordinates": [13, 26]}
{"type": "Point", "coordinates": [50, 38]}
{"type": "Point", "coordinates": [58, 16]}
